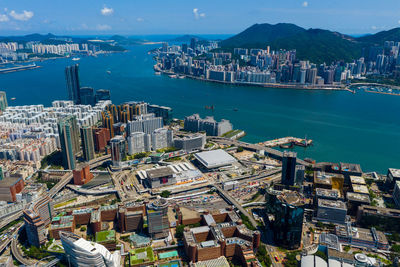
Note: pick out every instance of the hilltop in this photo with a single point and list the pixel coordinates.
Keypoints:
(316, 45)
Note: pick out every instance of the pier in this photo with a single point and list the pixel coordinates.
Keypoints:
(287, 142)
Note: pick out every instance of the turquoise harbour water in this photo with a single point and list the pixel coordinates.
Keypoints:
(360, 128)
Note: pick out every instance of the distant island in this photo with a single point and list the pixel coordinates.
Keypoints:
(34, 47)
(288, 56)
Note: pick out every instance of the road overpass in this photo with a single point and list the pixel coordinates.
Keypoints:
(228, 198)
(273, 153)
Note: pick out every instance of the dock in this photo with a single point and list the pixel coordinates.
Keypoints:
(287, 142)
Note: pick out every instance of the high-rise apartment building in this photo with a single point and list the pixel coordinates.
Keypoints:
(138, 142)
(69, 140)
(3, 101)
(87, 143)
(161, 138)
(73, 86)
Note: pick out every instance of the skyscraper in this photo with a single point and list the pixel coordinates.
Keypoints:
(157, 218)
(287, 223)
(3, 101)
(69, 140)
(86, 96)
(288, 168)
(87, 143)
(102, 94)
(118, 149)
(73, 86)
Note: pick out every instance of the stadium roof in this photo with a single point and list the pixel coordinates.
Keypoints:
(215, 158)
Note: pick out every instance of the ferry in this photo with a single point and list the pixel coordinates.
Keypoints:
(76, 58)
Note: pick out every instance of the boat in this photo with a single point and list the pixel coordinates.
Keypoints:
(108, 71)
(181, 76)
(76, 58)
(235, 109)
(173, 76)
(13, 98)
(286, 146)
(157, 73)
(209, 107)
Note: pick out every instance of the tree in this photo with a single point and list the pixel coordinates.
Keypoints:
(240, 149)
(179, 231)
(165, 194)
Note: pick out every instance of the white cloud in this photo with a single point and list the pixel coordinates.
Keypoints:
(84, 26)
(398, 22)
(374, 27)
(4, 18)
(197, 14)
(140, 19)
(107, 11)
(305, 4)
(24, 16)
(103, 27)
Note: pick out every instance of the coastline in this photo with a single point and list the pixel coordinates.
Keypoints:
(265, 85)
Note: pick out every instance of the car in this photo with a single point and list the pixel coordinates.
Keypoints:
(276, 259)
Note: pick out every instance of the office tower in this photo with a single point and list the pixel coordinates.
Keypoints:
(287, 209)
(288, 168)
(161, 138)
(193, 43)
(160, 111)
(37, 217)
(86, 96)
(102, 94)
(118, 149)
(80, 252)
(3, 101)
(157, 218)
(87, 143)
(164, 47)
(101, 138)
(69, 140)
(108, 122)
(184, 48)
(73, 86)
(138, 142)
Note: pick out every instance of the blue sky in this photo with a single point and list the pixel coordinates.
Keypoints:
(140, 17)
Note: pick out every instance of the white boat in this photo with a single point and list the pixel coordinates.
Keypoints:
(76, 58)
(157, 73)
(108, 71)
(173, 76)
(181, 76)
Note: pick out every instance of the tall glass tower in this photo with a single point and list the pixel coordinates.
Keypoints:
(73, 87)
(69, 138)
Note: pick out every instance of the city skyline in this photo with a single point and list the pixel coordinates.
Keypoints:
(140, 18)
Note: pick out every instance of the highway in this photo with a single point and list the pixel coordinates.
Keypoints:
(233, 201)
(273, 153)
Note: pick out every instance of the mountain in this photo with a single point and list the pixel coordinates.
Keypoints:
(316, 45)
(320, 46)
(122, 40)
(381, 37)
(260, 34)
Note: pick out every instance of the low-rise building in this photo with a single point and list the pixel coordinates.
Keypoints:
(333, 211)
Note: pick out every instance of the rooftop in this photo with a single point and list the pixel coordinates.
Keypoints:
(395, 172)
(362, 189)
(9, 181)
(336, 204)
(215, 158)
(327, 193)
(159, 172)
(357, 197)
(292, 198)
(105, 236)
(357, 180)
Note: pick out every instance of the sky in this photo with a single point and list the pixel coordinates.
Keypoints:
(142, 17)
